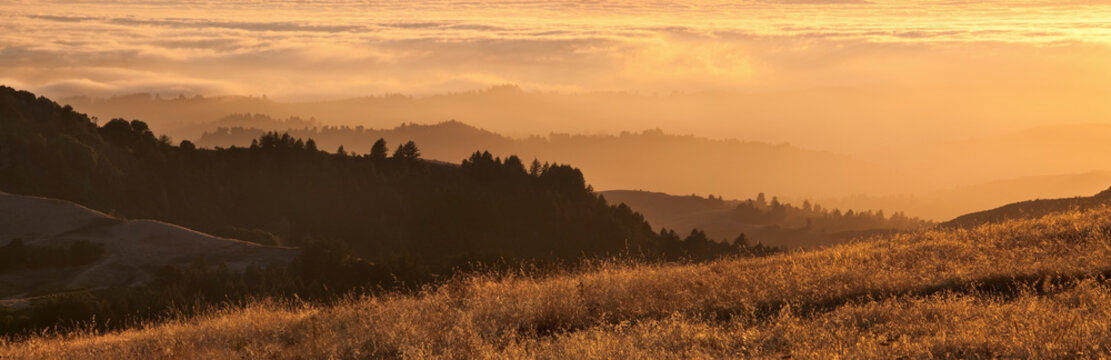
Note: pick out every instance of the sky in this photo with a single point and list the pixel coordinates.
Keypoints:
(840, 70)
(300, 50)
(957, 91)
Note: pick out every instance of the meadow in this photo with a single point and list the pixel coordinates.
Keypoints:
(1017, 289)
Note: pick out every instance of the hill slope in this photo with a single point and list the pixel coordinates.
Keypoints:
(428, 218)
(1019, 289)
(1031, 209)
(134, 250)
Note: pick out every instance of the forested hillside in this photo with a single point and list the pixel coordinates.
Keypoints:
(385, 218)
(385, 207)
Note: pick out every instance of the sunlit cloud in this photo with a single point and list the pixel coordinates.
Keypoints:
(322, 49)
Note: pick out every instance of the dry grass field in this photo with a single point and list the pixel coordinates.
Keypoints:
(1019, 289)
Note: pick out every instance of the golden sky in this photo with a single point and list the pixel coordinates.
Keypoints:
(943, 88)
(833, 72)
(329, 48)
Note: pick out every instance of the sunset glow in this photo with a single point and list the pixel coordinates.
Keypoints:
(331, 49)
(563, 179)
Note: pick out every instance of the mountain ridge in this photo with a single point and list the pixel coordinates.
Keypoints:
(651, 158)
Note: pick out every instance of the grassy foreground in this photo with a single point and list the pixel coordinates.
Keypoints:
(1021, 289)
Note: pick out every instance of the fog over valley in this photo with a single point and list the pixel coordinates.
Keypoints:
(564, 179)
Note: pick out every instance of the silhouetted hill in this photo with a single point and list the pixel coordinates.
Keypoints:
(649, 159)
(425, 217)
(364, 223)
(762, 220)
(940, 159)
(133, 250)
(447, 141)
(1030, 209)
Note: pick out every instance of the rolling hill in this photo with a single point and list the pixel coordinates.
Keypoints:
(1031, 209)
(1026, 288)
(134, 250)
(365, 223)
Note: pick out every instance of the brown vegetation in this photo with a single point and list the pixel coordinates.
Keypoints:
(1023, 288)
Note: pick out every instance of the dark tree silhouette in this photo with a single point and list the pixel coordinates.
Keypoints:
(379, 150)
(407, 151)
(534, 169)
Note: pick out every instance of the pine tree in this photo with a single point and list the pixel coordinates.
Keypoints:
(407, 151)
(378, 150)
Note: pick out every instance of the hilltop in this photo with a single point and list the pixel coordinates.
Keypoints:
(1027, 288)
(133, 250)
(1031, 209)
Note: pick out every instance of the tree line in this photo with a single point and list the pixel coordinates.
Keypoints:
(393, 217)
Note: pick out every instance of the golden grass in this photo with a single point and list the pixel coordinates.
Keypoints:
(905, 295)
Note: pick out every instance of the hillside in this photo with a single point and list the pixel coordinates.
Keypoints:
(134, 250)
(1031, 209)
(366, 222)
(765, 221)
(1030, 288)
(428, 217)
(413, 218)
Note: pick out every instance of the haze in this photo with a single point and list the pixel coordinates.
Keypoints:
(914, 87)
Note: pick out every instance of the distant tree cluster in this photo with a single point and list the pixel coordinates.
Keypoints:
(446, 136)
(813, 216)
(698, 246)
